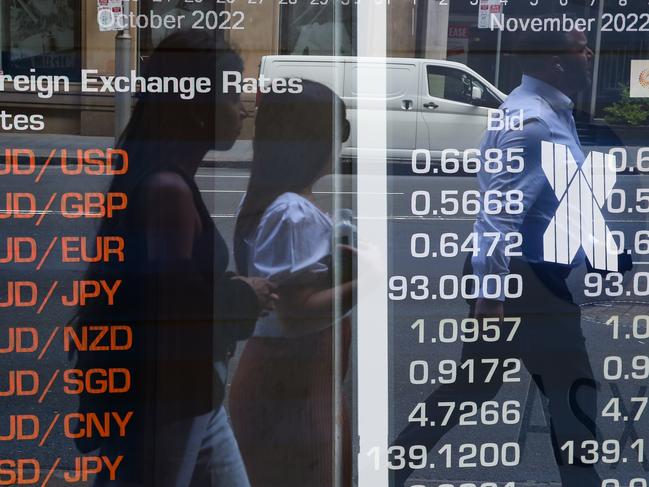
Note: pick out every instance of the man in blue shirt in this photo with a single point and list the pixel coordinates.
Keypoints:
(549, 341)
(544, 99)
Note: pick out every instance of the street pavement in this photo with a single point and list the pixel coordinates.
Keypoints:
(222, 189)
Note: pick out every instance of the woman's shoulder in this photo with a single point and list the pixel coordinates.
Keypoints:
(292, 213)
(294, 207)
(166, 200)
(293, 238)
(168, 182)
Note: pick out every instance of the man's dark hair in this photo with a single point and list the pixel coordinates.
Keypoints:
(532, 49)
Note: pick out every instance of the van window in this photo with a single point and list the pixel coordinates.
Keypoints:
(456, 85)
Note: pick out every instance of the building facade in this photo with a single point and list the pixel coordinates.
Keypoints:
(63, 37)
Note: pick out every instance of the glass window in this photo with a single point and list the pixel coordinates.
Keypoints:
(41, 34)
(482, 96)
(455, 85)
(308, 271)
(450, 84)
(317, 29)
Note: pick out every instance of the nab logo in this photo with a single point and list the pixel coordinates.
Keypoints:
(578, 222)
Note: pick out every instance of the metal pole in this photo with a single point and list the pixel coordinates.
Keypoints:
(338, 348)
(499, 46)
(598, 48)
(122, 68)
(499, 43)
(372, 327)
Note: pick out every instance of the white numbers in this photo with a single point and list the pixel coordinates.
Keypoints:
(452, 244)
(451, 286)
(632, 483)
(416, 167)
(607, 451)
(420, 203)
(470, 202)
(468, 330)
(470, 413)
(615, 368)
(213, 20)
(469, 161)
(613, 285)
(487, 454)
(447, 371)
(639, 327)
(618, 201)
(630, 22)
(466, 455)
(613, 411)
(640, 240)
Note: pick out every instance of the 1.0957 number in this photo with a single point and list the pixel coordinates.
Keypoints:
(467, 330)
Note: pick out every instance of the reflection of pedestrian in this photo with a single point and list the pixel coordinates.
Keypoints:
(185, 310)
(281, 397)
(549, 341)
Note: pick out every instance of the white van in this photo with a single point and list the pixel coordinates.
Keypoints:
(431, 104)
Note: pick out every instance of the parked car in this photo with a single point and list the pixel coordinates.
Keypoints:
(431, 104)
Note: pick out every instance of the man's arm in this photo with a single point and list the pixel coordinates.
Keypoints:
(492, 259)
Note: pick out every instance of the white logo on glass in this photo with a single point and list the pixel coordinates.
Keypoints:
(578, 222)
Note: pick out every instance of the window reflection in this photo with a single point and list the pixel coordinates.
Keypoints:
(42, 35)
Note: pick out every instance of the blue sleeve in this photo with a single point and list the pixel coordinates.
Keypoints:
(490, 228)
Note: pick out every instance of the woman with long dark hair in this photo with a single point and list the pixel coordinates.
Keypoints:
(281, 400)
(186, 312)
